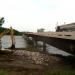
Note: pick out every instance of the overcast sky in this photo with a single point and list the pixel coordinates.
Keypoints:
(30, 15)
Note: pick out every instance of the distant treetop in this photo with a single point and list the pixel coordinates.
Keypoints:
(40, 30)
(1, 21)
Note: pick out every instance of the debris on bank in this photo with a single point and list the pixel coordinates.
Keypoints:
(27, 60)
(36, 57)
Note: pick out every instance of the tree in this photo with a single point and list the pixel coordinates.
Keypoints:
(40, 30)
(2, 21)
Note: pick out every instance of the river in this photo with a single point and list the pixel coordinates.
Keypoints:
(21, 43)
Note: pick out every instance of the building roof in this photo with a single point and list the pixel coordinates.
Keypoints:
(71, 25)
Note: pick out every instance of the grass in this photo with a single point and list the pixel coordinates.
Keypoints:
(45, 72)
(59, 72)
(3, 72)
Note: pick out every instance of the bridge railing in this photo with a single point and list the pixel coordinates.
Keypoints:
(65, 35)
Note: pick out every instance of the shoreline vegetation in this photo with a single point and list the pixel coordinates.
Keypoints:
(16, 32)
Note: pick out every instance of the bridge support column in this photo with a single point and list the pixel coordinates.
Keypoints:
(72, 47)
(35, 43)
(44, 46)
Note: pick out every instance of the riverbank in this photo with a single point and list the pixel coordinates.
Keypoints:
(29, 60)
(22, 62)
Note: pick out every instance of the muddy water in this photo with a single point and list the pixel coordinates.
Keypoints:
(21, 43)
(53, 50)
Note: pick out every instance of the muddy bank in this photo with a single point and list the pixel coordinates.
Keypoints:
(23, 57)
(22, 62)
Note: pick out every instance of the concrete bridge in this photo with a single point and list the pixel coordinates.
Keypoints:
(61, 40)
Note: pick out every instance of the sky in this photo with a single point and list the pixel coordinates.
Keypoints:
(30, 15)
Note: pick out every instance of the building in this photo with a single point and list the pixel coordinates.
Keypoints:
(66, 27)
(41, 30)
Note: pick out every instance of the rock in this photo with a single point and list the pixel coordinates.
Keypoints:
(36, 57)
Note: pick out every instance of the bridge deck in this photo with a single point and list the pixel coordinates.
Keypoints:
(63, 35)
(62, 40)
